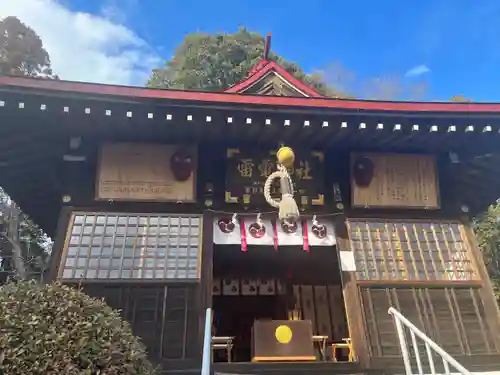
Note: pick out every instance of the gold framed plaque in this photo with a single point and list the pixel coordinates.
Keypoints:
(147, 172)
(394, 181)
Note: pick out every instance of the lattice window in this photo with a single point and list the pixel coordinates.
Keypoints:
(410, 250)
(130, 246)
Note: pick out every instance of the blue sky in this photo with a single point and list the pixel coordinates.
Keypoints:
(450, 44)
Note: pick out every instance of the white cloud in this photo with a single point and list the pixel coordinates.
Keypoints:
(417, 70)
(118, 10)
(86, 47)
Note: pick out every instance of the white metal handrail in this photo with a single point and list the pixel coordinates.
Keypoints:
(430, 346)
(207, 344)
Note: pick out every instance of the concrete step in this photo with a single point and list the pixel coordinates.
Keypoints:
(286, 368)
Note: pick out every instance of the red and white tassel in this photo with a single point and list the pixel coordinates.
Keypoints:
(305, 235)
(243, 234)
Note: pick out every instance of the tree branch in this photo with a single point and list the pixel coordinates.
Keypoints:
(17, 257)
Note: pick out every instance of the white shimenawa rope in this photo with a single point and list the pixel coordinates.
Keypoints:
(281, 172)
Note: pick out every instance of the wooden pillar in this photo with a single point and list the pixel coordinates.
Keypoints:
(353, 309)
(206, 275)
(59, 242)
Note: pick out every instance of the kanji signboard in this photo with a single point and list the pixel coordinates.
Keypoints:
(247, 172)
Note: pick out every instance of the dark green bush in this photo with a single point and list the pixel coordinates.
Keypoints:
(56, 329)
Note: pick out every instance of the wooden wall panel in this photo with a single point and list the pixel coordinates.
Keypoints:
(447, 325)
(323, 321)
(337, 312)
(324, 306)
(307, 298)
(381, 333)
(165, 317)
(486, 295)
(478, 336)
(453, 317)
(298, 298)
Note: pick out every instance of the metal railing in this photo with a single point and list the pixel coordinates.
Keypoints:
(430, 347)
(207, 343)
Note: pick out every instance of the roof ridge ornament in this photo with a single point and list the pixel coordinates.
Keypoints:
(267, 46)
(265, 58)
(260, 79)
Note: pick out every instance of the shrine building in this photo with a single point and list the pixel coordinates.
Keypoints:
(155, 201)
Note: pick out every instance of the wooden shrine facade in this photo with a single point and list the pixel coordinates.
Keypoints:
(128, 182)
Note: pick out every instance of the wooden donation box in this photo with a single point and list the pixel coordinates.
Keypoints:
(282, 340)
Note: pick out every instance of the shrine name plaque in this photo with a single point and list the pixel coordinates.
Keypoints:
(146, 172)
(247, 171)
(399, 181)
(282, 340)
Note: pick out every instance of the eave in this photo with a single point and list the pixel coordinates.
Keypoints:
(89, 90)
(37, 117)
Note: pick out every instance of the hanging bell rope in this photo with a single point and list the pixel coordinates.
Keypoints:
(288, 209)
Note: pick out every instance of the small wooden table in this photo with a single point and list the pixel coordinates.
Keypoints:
(223, 342)
(347, 344)
(321, 341)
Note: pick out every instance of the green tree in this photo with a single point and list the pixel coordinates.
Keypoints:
(460, 98)
(338, 78)
(214, 62)
(383, 87)
(487, 230)
(23, 246)
(22, 52)
(393, 87)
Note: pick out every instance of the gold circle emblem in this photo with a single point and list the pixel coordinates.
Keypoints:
(283, 334)
(285, 156)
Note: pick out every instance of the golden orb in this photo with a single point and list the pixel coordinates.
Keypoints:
(285, 156)
(283, 334)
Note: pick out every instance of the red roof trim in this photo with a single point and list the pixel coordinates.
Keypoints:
(325, 103)
(299, 85)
